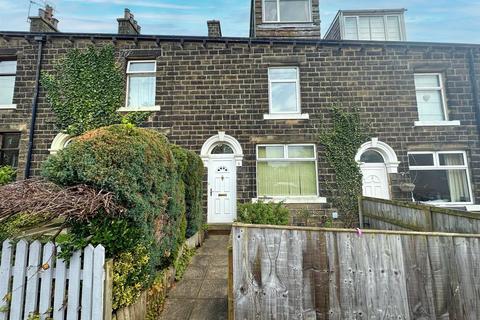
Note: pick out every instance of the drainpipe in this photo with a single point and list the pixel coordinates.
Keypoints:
(474, 84)
(28, 165)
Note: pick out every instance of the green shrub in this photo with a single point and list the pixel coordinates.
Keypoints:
(7, 175)
(138, 167)
(263, 213)
(190, 166)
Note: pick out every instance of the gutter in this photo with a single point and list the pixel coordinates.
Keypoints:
(39, 39)
(474, 84)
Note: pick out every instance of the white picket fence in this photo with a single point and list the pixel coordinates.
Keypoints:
(33, 281)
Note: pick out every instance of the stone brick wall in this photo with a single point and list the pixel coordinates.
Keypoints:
(203, 88)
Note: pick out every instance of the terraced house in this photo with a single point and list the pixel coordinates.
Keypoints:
(253, 107)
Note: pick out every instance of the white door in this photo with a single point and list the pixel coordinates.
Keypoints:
(375, 180)
(222, 190)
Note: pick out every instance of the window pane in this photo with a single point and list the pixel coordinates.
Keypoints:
(286, 178)
(377, 28)
(371, 156)
(10, 140)
(420, 159)
(364, 28)
(427, 81)
(393, 28)
(441, 186)
(141, 91)
(282, 73)
(222, 149)
(8, 67)
(7, 85)
(351, 32)
(284, 97)
(9, 158)
(271, 152)
(430, 105)
(451, 159)
(294, 10)
(270, 10)
(301, 152)
(142, 67)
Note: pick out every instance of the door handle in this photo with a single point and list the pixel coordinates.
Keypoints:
(211, 192)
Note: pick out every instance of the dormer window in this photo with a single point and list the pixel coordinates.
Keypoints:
(373, 28)
(287, 11)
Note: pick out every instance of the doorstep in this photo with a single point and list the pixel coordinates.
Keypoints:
(219, 228)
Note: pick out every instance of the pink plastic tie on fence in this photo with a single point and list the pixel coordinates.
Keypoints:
(359, 232)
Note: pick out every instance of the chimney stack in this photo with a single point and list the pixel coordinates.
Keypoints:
(44, 22)
(127, 24)
(214, 29)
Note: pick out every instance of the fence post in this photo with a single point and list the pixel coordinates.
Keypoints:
(360, 211)
(230, 279)
(108, 292)
(429, 218)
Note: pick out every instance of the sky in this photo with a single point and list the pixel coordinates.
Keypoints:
(426, 20)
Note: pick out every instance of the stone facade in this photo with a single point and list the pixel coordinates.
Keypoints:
(205, 86)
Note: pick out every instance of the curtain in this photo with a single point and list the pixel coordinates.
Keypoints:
(286, 178)
(141, 91)
(457, 179)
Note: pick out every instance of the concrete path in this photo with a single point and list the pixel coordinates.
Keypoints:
(202, 293)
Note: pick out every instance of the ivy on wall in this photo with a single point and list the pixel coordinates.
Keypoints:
(86, 90)
(341, 143)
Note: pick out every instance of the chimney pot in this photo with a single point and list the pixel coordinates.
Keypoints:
(127, 24)
(44, 22)
(214, 29)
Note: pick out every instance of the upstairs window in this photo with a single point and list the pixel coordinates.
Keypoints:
(287, 11)
(9, 145)
(430, 97)
(286, 170)
(8, 71)
(141, 84)
(379, 28)
(440, 177)
(284, 90)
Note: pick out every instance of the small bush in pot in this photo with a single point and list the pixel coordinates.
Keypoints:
(263, 213)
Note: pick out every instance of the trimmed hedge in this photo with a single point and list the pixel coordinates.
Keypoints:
(138, 166)
(263, 213)
(7, 175)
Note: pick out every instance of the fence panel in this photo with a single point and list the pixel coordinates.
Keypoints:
(27, 288)
(314, 273)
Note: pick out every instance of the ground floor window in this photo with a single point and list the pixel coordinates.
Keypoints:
(286, 170)
(9, 144)
(440, 177)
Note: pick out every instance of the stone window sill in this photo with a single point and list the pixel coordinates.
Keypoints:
(8, 106)
(139, 109)
(301, 200)
(437, 123)
(286, 116)
(472, 207)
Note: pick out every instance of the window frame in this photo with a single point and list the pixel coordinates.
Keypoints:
(11, 105)
(297, 84)
(145, 74)
(442, 94)
(436, 166)
(310, 14)
(385, 26)
(2, 133)
(287, 159)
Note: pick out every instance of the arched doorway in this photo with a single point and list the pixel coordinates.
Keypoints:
(376, 160)
(222, 154)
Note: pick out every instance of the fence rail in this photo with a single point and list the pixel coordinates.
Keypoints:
(35, 282)
(397, 215)
(314, 273)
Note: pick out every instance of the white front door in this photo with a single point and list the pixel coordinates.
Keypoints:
(375, 180)
(222, 190)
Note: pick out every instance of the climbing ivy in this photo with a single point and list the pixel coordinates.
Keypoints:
(86, 90)
(341, 143)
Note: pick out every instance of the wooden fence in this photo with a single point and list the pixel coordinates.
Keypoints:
(396, 215)
(314, 273)
(35, 282)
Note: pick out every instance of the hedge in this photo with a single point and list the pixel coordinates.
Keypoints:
(138, 166)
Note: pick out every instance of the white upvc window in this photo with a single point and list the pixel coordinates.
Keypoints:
(141, 78)
(287, 11)
(284, 90)
(379, 28)
(431, 101)
(440, 178)
(287, 171)
(8, 72)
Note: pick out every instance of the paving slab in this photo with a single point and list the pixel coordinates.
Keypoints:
(211, 309)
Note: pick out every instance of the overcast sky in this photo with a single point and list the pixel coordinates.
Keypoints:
(427, 20)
